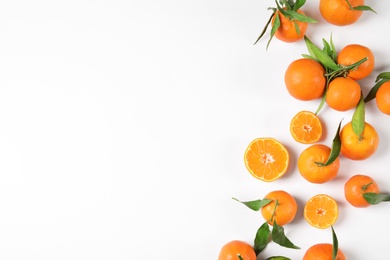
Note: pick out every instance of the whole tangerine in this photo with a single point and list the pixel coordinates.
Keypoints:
(305, 79)
(282, 208)
(356, 186)
(235, 248)
(358, 147)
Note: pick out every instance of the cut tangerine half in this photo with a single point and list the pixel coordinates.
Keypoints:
(306, 127)
(321, 211)
(266, 159)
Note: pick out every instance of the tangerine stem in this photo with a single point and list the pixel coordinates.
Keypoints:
(365, 187)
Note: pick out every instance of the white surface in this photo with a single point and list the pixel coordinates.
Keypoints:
(123, 127)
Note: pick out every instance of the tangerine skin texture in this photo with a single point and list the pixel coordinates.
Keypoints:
(354, 190)
(358, 148)
(337, 12)
(285, 211)
(287, 31)
(305, 80)
(383, 98)
(322, 251)
(231, 250)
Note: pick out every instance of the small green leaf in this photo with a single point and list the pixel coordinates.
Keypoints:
(372, 94)
(358, 118)
(280, 238)
(240, 257)
(336, 147)
(320, 55)
(278, 258)
(334, 52)
(363, 8)
(307, 56)
(298, 4)
(293, 15)
(383, 75)
(322, 103)
(255, 205)
(262, 238)
(265, 27)
(275, 27)
(335, 246)
(376, 198)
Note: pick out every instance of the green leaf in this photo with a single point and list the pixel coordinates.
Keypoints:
(383, 75)
(278, 258)
(335, 246)
(265, 27)
(320, 55)
(255, 205)
(280, 238)
(293, 15)
(298, 4)
(334, 52)
(376, 198)
(262, 238)
(240, 257)
(380, 79)
(358, 118)
(336, 147)
(307, 56)
(275, 27)
(322, 103)
(363, 8)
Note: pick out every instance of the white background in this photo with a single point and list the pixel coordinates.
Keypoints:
(123, 126)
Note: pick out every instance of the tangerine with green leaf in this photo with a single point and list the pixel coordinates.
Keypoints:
(382, 98)
(358, 146)
(289, 22)
(322, 251)
(282, 208)
(353, 53)
(312, 167)
(235, 249)
(356, 186)
(342, 12)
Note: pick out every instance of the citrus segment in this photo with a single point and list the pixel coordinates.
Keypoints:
(321, 211)
(306, 127)
(266, 159)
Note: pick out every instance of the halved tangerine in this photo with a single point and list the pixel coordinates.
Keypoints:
(321, 211)
(306, 127)
(266, 159)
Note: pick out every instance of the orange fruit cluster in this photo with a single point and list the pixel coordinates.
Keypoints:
(334, 77)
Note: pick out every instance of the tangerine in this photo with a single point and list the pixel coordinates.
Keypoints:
(353, 53)
(306, 127)
(287, 31)
(305, 80)
(266, 159)
(321, 211)
(235, 248)
(338, 12)
(311, 164)
(356, 186)
(343, 94)
(383, 98)
(322, 251)
(282, 209)
(357, 147)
